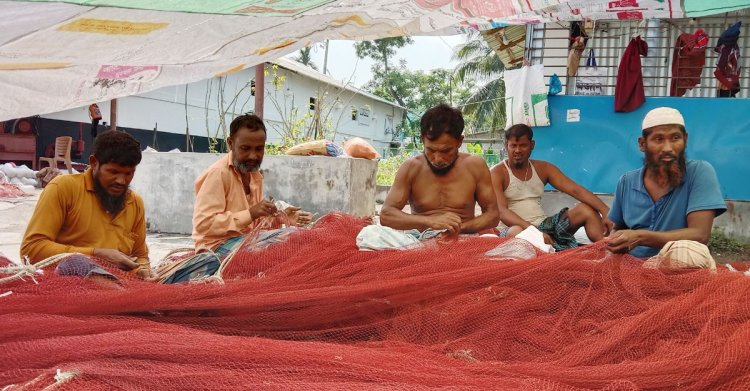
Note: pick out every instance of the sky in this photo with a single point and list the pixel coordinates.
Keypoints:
(426, 53)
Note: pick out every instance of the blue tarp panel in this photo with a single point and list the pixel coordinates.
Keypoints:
(596, 151)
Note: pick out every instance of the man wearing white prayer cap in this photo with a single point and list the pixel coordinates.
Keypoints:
(670, 198)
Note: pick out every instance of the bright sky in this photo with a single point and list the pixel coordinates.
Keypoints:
(424, 54)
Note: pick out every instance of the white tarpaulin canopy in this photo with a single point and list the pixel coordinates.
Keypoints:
(59, 55)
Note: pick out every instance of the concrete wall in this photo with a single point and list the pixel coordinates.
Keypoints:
(315, 183)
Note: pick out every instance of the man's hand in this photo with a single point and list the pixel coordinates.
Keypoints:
(264, 208)
(116, 258)
(622, 241)
(548, 239)
(146, 273)
(299, 216)
(448, 221)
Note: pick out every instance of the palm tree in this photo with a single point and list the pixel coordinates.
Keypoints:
(305, 58)
(478, 62)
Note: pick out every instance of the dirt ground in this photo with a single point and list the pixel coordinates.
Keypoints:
(732, 256)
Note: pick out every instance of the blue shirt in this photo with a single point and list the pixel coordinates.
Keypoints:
(633, 207)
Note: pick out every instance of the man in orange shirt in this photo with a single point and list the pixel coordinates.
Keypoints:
(229, 194)
(94, 214)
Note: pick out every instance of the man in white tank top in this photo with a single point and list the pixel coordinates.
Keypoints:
(519, 184)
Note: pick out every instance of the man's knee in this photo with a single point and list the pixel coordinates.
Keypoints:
(583, 212)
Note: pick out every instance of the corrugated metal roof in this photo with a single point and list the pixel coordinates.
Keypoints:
(306, 71)
(508, 42)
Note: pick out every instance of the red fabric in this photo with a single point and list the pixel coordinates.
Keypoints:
(728, 68)
(629, 94)
(687, 64)
(315, 313)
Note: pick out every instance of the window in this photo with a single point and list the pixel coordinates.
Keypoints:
(364, 116)
(354, 113)
(252, 87)
(388, 124)
(313, 102)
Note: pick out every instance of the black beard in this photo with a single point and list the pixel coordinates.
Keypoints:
(441, 171)
(670, 173)
(112, 204)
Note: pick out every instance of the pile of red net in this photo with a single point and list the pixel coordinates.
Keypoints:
(9, 190)
(314, 313)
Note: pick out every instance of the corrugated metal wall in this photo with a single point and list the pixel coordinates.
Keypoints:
(610, 38)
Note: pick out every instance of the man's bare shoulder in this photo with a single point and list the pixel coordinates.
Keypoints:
(473, 162)
(413, 163)
(498, 168)
(410, 168)
(542, 165)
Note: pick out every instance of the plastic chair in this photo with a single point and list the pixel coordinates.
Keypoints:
(62, 154)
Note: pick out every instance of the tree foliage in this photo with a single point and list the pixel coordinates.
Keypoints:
(305, 58)
(420, 91)
(382, 52)
(479, 63)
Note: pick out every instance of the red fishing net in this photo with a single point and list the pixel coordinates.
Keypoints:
(312, 312)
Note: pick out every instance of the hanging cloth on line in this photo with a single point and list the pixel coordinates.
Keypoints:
(687, 62)
(629, 93)
(728, 67)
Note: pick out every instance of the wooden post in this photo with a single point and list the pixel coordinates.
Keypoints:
(260, 79)
(113, 114)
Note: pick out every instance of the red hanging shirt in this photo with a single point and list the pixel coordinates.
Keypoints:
(629, 94)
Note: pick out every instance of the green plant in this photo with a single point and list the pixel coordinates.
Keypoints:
(474, 149)
(721, 243)
(273, 149)
(387, 168)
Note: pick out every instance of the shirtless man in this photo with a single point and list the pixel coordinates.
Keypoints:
(443, 185)
(519, 184)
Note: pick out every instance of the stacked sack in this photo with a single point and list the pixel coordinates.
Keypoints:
(355, 147)
(21, 176)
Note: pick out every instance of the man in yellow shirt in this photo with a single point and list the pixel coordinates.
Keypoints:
(93, 213)
(229, 194)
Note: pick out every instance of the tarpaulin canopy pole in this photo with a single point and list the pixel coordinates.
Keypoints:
(113, 114)
(260, 79)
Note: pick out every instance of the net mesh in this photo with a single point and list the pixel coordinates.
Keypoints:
(312, 312)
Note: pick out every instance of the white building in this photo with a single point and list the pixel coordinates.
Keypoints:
(294, 94)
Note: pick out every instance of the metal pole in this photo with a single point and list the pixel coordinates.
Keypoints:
(113, 114)
(325, 60)
(260, 79)
(450, 88)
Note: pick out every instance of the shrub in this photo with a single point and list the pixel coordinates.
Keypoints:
(387, 168)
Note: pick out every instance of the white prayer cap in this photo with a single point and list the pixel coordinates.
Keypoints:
(662, 116)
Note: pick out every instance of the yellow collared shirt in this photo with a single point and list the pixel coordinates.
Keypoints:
(70, 219)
